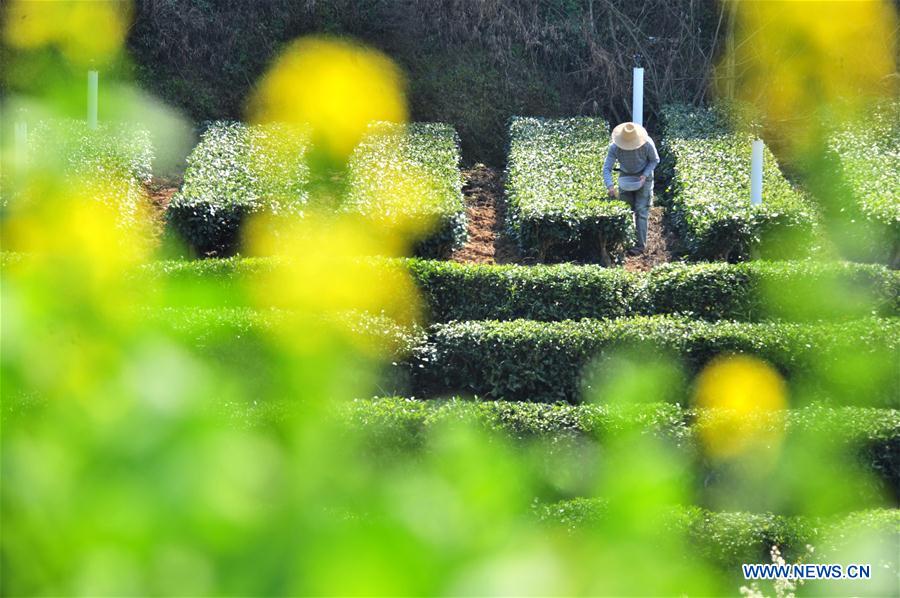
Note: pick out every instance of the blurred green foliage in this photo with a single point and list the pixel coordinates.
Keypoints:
(219, 448)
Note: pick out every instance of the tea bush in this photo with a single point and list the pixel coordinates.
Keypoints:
(558, 204)
(389, 424)
(748, 291)
(400, 172)
(455, 291)
(869, 156)
(115, 159)
(237, 170)
(709, 193)
(762, 290)
(676, 422)
(545, 361)
(397, 173)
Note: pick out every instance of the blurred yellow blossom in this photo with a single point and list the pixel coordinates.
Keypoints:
(335, 86)
(797, 56)
(85, 32)
(73, 266)
(64, 220)
(331, 267)
(742, 401)
(406, 207)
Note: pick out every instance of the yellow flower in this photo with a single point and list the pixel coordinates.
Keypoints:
(335, 86)
(795, 57)
(85, 32)
(331, 270)
(742, 401)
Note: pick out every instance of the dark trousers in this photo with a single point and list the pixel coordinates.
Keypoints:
(640, 202)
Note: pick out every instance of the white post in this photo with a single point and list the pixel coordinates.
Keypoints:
(637, 96)
(756, 171)
(20, 145)
(92, 99)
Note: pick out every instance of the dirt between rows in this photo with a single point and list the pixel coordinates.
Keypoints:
(160, 191)
(489, 243)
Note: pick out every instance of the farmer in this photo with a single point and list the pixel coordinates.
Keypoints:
(637, 157)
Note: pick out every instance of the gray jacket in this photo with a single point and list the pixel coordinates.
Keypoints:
(641, 161)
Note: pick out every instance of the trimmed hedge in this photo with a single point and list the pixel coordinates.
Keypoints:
(709, 193)
(248, 344)
(116, 159)
(749, 291)
(234, 325)
(544, 361)
(237, 170)
(869, 156)
(523, 360)
(523, 419)
(405, 422)
(411, 171)
(455, 291)
(558, 205)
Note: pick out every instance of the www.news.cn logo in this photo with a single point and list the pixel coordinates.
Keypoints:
(807, 571)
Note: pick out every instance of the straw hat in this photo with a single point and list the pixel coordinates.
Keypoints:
(629, 136)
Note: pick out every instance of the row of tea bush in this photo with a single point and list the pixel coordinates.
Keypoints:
(749, 291)
(110, 163)
(548, 361)
(558, 203)
(709, 192)
(396, 173)
(847, 363)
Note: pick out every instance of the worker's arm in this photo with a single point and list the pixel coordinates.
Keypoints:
(652, 158)
(608, 165)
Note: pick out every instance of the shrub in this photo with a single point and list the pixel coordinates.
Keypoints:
(242, 342)
(523, 420)
(710, 193)
(558, 205)
(233, 325)
(749, 291)
(408, 176)
(237, 170)
(545, 361)
(553, 292)
(729, 539)
(761, 290)
(869, 156)
(115, 159)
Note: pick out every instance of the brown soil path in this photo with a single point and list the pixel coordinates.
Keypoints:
(160, 191)
(661, 244)
(488, 242)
